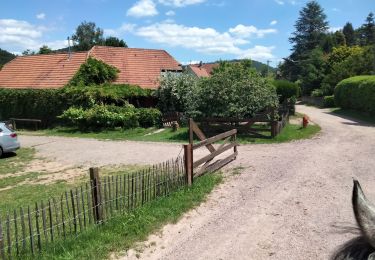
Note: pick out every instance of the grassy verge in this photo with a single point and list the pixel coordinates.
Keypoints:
(122, 232)
(354, 115)
(16, 191)
(289, 133)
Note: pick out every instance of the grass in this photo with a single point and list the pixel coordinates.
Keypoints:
(121, 233)
(354, 114)
(289, 133)
(15, 162)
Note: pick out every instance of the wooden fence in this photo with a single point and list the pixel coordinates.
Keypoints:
(207, 164)
(267, 124)
(29, 230)
(169, 118)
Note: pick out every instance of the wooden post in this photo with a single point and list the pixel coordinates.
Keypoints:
(235, 147)
(273, 123)
(191, 133)
(188, 153)
(96, 195)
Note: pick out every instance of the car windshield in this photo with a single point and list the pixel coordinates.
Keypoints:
(6, 128)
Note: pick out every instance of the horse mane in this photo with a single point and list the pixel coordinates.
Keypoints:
(355, 249)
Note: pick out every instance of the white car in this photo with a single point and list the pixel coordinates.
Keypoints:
(8, 140)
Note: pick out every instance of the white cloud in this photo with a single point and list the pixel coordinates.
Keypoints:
(336, 9)
(334, 29)
(125, 27)
(205, 40)
(17, 35)
(143, 8)
(258, 53)
(170, 13)
(180, 3)
(243, 31)
(274, 22)
(283, 2)
(41, 16)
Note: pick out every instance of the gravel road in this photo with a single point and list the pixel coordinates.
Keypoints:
(292, 200)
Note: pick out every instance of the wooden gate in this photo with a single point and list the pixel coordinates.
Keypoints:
(207, 162)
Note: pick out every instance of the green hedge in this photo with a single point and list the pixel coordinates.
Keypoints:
(329, 101)
(47, 104)
(110, 116)
(286, 89)
(356, 93)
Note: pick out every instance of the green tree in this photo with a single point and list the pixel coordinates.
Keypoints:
(115, 42)
(86, 36)
(28, 52)
(313, 71)
(345, 62)
(349, 34)
(44, 50)
(5, 56)
(369, 30)
(235, 90)
(178, 92)
(340, 38)
(310, 29)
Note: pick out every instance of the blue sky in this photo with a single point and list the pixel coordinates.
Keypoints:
(190, 30)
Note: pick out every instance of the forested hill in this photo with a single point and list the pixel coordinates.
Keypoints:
(5, 57)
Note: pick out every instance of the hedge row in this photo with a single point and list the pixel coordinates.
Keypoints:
(110, 116)
(47, 104)
(286, 89)
(357, 93)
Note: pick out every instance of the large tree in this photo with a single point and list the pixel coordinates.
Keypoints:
(115, 42)
(86, 36)
(5, 57)
(368, 30)
(349, 34)
(311, 27)
(44, 50)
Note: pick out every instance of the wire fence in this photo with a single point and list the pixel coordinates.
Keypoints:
(30, 230)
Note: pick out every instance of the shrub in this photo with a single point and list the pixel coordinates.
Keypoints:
(357, 93)
(317, 93)
(110, 116)
(329, 101)
(178, 92)
(102, 116)
(235, 90)
(94, 71)
(286, 89)
(47, 104)
(149, 117)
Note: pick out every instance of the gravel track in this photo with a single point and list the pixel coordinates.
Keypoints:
(291, 200)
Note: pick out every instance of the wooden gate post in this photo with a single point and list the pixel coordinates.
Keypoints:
(191, 137)
(96, 195)
(188, 153)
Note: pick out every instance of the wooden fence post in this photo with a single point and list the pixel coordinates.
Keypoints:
(273, 123)
(188, 153)
(191, 134)
(96, 195)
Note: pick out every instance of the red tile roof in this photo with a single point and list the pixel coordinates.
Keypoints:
(41, 71)
(199, 71)
(203, 70)
(140, 67)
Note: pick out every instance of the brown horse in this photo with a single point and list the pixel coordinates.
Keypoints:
(362, 247)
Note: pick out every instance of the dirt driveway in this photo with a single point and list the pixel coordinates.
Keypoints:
(291, 201)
